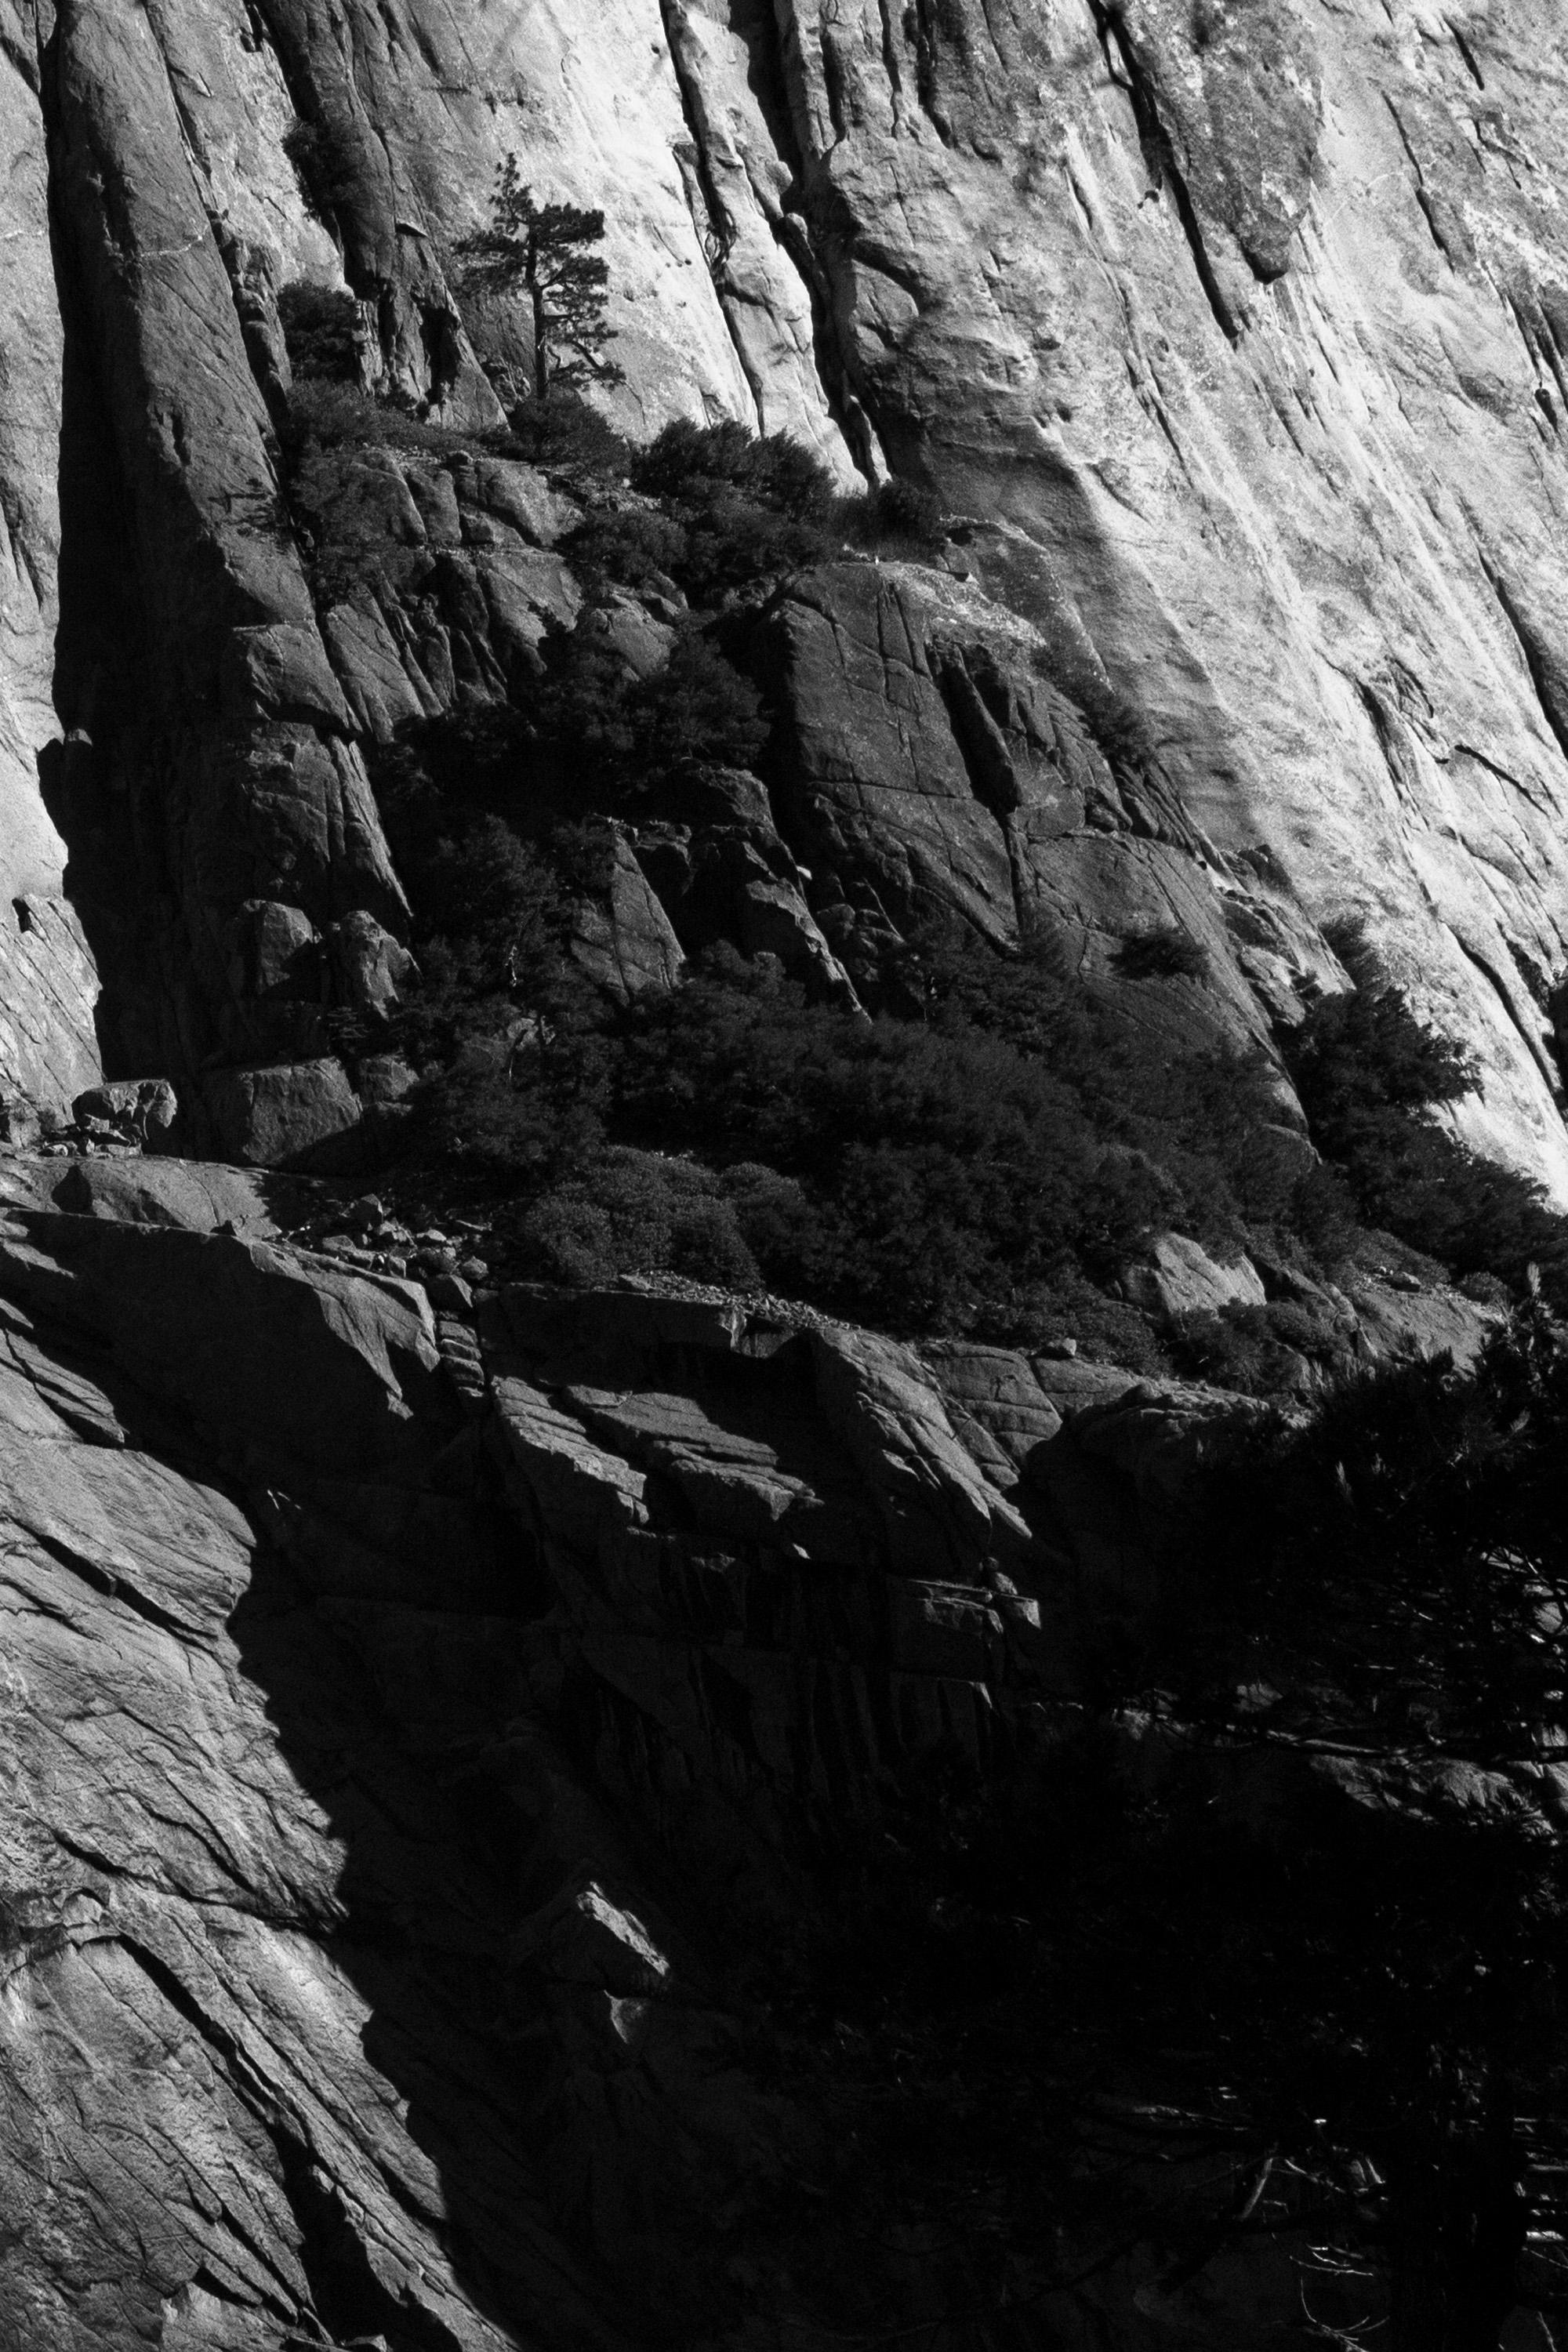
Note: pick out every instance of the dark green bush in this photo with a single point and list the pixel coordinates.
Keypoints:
(1165, 951)
(746, 507)
(566, 434)
(731, 541)
(697, 707)
(636, 547)
(334, 415)
(327, 172)
(620, 736)
(591, 742)
(1041, 1315)
(697, 464)
(321, 329)
(637, 1212)
(949, 1164)
(1369, 1075)
(895, 515)
(1259, 1351)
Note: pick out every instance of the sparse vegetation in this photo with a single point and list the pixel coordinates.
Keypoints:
(544, 253)
(327, 173)
(1165, 951)
(1370, 1076)
(991, 1146)
(321, 329)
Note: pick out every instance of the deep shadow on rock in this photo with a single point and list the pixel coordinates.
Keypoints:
(410, 1726)
(380, 1841)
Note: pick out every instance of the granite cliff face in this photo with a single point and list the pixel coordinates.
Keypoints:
(401, 1719)
(403, 1711)
(1234, 334)
(404, 1718)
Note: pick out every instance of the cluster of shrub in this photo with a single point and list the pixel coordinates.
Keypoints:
(712, 507)
(981, 1156)
(721, 507)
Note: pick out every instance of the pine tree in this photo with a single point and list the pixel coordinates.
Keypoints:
(543, 251)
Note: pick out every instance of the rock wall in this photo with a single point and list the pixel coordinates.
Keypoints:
(1237, 336)
(402, 1713)
(409, 1720)
(386, 1704)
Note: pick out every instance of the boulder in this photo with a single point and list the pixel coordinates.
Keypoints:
(372, 969)
(142, 1109)
(1181, 1278)
(279, 1351)
(197, 1195)
(940, 1516)
(1421, 1322)
(301, 1115)
(622, 937)
(1001, 1401)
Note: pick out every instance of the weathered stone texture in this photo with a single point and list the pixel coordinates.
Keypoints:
(1235, 335)
(337, 2005)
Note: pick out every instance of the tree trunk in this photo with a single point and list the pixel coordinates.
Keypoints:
(541, 343)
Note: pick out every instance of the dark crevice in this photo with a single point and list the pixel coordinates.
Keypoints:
(1540, 341)
(926, 21)
(1507, 776)
(347, 2299)
(1467, 54)
(982, 749)
(768, 78)
(1524, 637)
(114, 1588)
(101, 785)
(1533, 1046)
(1423, 196)
(1160, 155)
(891, 65)
(718, 236)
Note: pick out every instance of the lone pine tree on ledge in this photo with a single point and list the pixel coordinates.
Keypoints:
(543, 251)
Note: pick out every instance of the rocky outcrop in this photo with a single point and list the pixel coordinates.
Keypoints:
(412, 1714)
(371, 1739)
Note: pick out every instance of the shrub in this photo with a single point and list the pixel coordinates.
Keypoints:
(748, 506)
(618, 735)
(327, 173)
(636, 546)
(640, 1213)
(894, 514)
(337, 415)
(1369, 1073)
(945, 1168)
(1069, 1307)
(731, 541)
(321, 329)
(1259, 1350)
(698, 707)
(494, 899)
(695, 463)
(1165, 951)
(567, 435)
